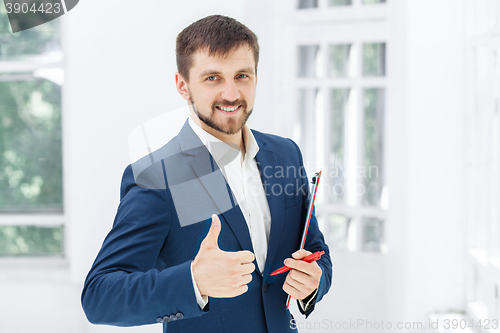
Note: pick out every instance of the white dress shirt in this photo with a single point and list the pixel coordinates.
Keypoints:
(242, 174)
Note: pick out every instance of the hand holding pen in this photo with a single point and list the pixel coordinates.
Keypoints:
(310, 258)
(303, 277)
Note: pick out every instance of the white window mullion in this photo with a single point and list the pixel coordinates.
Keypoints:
(45, 220)
(21, 66)
(356, 3)
(351, 146)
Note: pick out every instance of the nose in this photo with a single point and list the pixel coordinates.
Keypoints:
(230, 91)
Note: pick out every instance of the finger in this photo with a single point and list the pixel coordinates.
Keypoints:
(312, 269)
(294, 283)
(299, 276)
(213, 234)
(296, 264)
(241, 290)
(248, 268)
(246, 279)
(290, 290)
(246, 256)
(301, 254)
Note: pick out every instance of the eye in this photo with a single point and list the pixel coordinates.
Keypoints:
(242, 76)
(212, 78)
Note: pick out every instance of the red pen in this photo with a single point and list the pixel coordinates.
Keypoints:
(310, 258)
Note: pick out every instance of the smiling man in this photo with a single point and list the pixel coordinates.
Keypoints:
(198, 233)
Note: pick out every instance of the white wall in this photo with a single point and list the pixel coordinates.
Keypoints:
(435, 108)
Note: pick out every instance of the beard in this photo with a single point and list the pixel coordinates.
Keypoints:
(233, 124)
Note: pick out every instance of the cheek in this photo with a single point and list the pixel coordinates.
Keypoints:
(202, 96)
(249, 94)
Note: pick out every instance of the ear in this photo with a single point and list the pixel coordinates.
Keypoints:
(181, 85)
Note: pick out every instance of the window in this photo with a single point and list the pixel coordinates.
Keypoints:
(482, 161)
(372, 2)
(31, 173)
(308, 4)
(341, 88)
(333, 3)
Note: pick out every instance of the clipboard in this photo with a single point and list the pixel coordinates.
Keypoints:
(312, 195)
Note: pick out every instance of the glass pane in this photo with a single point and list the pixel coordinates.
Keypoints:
(338, 226)
(335, 3)
(30, 240)
(373, 168)
(40, 40)
(308, 60)
(308, 4)
(338, 106)
(372, 234)
(30, 145)
(371, 2)
(307, 101)
(374, 59)
(339, 60)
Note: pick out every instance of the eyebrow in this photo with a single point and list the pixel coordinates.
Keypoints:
(213, 71)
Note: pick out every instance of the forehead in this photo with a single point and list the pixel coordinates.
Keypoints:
(235, 59)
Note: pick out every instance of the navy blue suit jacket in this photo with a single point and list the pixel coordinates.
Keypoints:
(142, 273)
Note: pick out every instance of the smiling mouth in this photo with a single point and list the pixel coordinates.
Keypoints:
(228, 109)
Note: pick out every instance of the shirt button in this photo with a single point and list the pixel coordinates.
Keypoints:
(166, 319)
(173, 317)
(159, 320)
(179, 315)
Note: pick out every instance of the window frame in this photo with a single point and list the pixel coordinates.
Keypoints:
(24, 70)
(369, 24)
(483, 261)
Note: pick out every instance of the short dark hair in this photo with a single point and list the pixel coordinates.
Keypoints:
(219, 34)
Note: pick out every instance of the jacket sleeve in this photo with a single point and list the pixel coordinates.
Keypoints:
(123, 287)
(314, 242)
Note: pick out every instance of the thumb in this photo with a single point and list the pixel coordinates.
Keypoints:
(213, 234)
(301, 254)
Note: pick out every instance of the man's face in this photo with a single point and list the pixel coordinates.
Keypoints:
(222, 89)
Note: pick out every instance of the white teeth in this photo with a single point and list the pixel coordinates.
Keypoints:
(228, 109)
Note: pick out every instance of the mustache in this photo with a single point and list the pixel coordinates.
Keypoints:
(226, 103)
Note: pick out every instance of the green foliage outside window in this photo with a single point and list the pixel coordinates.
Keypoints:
(374, 59)
(373, 145)
(30, 146)
(34, 41)
(30, 240)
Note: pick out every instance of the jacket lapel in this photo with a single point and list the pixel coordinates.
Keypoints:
(209, 174)
(267, 163)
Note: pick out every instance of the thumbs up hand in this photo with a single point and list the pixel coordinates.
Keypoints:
(220, 273)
